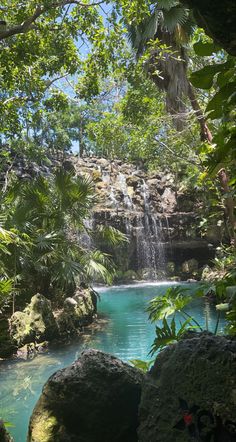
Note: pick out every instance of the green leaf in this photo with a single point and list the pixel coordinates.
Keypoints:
(175, 299)
(205, 48)
(216, 104)
(204, 78)
(142, 365)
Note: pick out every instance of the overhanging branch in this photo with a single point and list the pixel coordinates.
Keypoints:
(27, 24)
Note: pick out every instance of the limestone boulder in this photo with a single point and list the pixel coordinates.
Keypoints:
(77, 312)
(190, 393)
(35, 323)
(93, 400)
(133, 181)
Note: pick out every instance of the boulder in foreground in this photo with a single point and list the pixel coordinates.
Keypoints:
(93, 400)
(190, 393)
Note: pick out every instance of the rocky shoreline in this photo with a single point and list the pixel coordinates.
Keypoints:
(30, 331)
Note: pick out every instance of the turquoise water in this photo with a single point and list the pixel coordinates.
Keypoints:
(126, 334)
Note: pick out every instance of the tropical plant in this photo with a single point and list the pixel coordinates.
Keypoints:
(142, 365)
(49, 213)
(166, 31)
(169, 333)
(174, 300)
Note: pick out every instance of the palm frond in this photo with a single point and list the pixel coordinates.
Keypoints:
(6, 287)
(110, 235)
(97, 265)
(177, 15)
(166, 4)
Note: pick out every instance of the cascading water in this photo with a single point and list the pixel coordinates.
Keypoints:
(150, 250)
(85, 237)
(121, 181)
(136, 218)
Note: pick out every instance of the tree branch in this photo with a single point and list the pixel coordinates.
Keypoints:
(27, 24)
(175, 154)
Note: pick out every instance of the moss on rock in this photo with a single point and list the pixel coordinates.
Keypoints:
(35, 324)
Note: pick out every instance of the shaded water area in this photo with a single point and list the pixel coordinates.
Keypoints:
(127, 334)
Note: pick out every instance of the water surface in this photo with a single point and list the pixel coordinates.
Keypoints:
(127, 334)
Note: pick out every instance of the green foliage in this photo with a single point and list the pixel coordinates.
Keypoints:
(168, 334)
(221, 77)
(142, 365)
(205, 48)
(231, 318)
(49, 215)
(174, 300)
(109, 235)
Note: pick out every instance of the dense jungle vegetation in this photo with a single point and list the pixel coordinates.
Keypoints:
(136, 80)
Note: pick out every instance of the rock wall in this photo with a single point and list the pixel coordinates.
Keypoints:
(160, 220)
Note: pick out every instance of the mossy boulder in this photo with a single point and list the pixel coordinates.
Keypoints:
(170, 268)
(93, 400)
(35, 323)
(190, 393)
(130, 276)
(190, 267)
(77, 312)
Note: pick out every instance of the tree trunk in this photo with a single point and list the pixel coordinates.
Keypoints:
(81, 141)
(205, 133)
(229, 204)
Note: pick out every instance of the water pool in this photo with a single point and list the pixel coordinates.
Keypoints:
(127, 334)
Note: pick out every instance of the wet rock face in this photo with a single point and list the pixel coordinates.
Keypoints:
(35, 324)
(190, 393)
(159, 219)
(93, 400)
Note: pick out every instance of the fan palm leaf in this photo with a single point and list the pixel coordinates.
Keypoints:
(170, 25)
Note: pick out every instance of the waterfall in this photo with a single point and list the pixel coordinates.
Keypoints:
(121, 180)
(85, 238)
(150, 250)
(112, 198)
(130, 207)
(106, 176)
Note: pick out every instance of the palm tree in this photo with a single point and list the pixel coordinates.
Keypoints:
(171, 24)
(48, 215)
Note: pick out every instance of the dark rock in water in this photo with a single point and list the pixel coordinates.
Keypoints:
(190, 393)
(35, 324)
(4, 435)
(93, 400)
